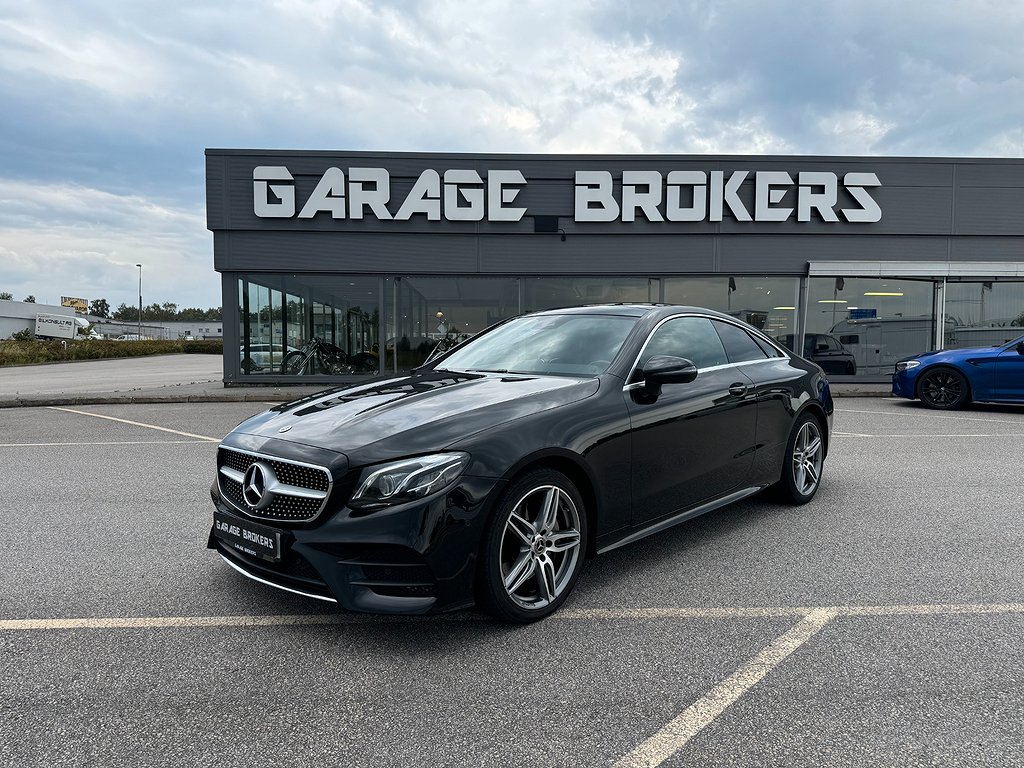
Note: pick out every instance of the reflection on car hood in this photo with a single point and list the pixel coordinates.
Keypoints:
(959, 354)
(415, 414)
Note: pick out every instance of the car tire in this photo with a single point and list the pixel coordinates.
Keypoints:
(803, 462)
(533, 548)
(943, 389)
(851, 369)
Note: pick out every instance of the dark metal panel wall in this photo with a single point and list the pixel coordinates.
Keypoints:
(790, 254)
(931, 208)
(355, 252)
(986, 249)
(990, 210)
(590, 254)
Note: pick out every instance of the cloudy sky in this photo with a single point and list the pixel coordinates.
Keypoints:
(106, 106)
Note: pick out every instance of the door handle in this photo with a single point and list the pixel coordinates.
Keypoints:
(738, 389)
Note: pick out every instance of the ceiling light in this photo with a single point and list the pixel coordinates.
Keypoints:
(783, 307)
(831, 301)
(883, 293)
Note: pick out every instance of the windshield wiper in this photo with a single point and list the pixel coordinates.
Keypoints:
(487, 370)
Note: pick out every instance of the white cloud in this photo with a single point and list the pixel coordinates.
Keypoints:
(75, 241)
(107, 97)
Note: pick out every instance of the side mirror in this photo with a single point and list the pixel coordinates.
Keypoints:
(821, 348)
(665, 369)
(1020, 347)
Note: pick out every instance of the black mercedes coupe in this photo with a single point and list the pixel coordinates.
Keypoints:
(491, 473)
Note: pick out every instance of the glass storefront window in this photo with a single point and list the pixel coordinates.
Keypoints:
(432, 309)
(770, 304)
(310, 325)
(983, 314)
(553, 292)
(863, 325)
(853, 325)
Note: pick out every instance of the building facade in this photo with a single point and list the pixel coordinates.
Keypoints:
(852, 261)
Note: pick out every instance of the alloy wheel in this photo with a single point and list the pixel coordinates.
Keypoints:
(808, 454)
(942, 388)
(540, 547)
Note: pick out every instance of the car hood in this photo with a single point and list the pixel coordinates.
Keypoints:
(957, 354)
(415, 414)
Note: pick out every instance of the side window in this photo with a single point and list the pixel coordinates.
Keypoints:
(738, 345)
(833, 344)
(768, 349)
(691, 337)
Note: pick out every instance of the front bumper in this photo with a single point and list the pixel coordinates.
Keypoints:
(410, 559)
(904, 383)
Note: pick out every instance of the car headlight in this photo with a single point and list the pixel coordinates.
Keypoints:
(401, 481)
(906, 365)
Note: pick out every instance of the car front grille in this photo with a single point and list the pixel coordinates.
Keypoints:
(298, 492)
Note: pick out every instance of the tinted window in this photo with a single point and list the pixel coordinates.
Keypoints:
(769, 350)
(738, 345)
(560, 344)
(691, 337)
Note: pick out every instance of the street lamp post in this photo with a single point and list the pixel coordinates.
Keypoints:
(140, 301)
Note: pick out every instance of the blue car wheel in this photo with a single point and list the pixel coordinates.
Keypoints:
(943, 388)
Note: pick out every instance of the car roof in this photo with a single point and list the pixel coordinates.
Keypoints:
(636, 309)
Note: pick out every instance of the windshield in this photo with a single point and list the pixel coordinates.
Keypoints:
(558, 344)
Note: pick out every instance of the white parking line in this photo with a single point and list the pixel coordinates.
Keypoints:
(159, 622)
(135, 423)
(930, 415)
(675, 735)
(862, 434)
(569, 614)
(668, 740)
(112, 442)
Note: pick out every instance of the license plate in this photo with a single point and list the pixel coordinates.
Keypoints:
(251, 538)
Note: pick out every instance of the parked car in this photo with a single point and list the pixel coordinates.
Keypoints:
(490, 473)
(264, 356)
(952, 378)
(130, 337)
(825, 350)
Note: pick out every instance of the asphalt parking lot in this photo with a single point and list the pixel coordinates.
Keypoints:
(879, 625)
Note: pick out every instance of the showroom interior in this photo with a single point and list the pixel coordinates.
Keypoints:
(854, 262)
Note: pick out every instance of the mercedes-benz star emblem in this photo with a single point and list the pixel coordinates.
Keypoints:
(259, 478)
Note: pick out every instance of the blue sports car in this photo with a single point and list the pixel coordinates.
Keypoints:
(951, 378)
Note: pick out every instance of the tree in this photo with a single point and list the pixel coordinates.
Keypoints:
(30, 299)
(125, 314)
(6, 296)
(165, 312)
(99, 307)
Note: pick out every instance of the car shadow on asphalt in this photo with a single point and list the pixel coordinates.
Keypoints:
(995, 408)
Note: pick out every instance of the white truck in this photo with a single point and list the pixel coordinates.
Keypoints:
(56, 326)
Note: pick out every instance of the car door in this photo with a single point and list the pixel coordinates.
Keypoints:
(691, 442)
(1009, 373)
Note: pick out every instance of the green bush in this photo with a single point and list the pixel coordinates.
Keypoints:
(30, 351)
(203, 347)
